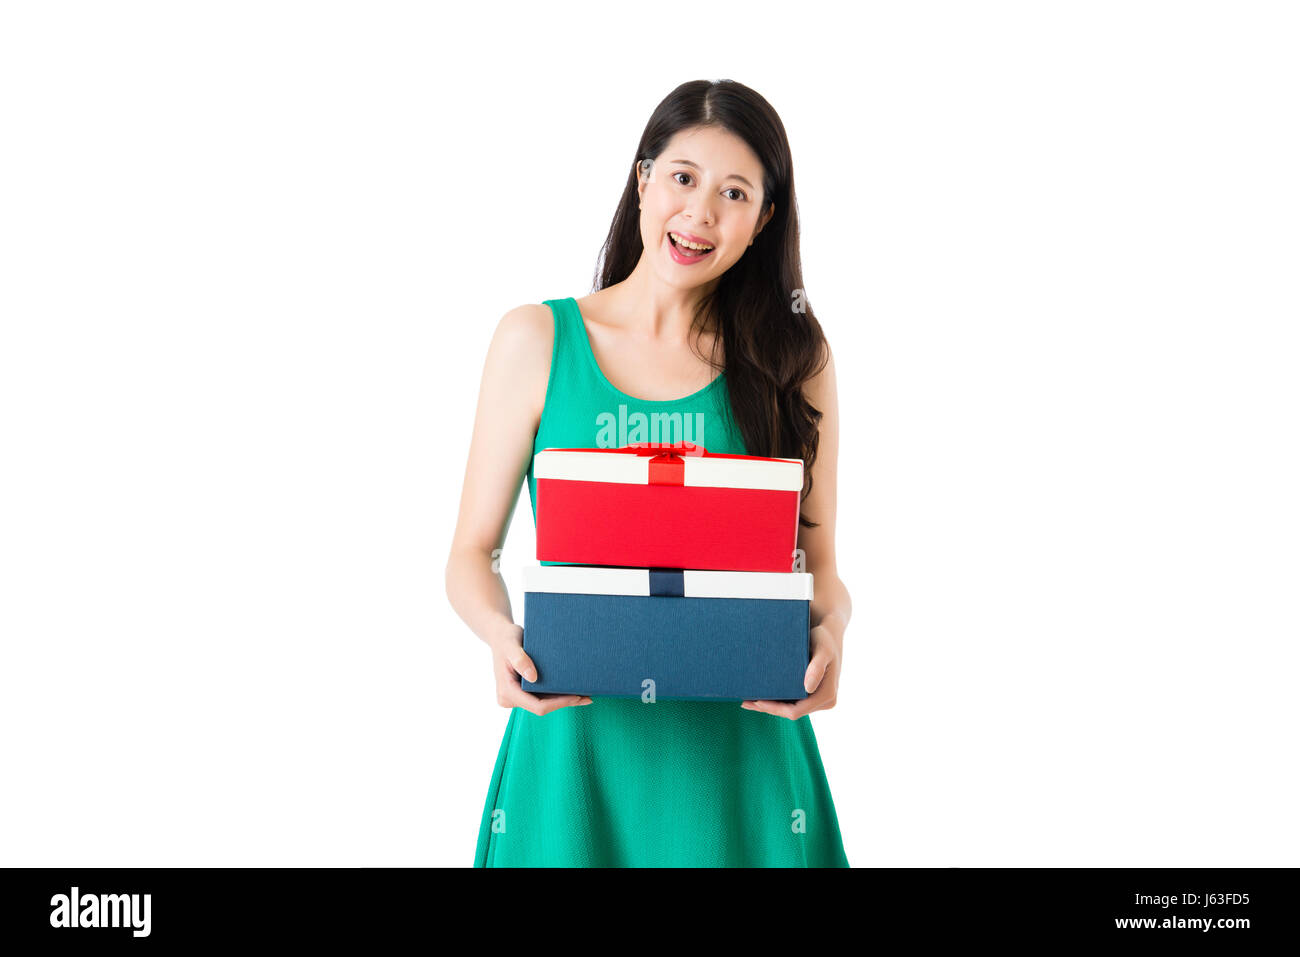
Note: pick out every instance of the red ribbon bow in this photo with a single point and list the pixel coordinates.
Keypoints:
(666, 448)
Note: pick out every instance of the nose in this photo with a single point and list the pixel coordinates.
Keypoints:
(701, 211)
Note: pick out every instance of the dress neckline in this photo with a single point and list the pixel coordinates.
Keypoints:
(591, 357)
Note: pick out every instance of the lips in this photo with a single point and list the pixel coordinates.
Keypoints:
(686, 256)
(692, 238)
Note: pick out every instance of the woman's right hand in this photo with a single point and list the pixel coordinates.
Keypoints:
(509, 661)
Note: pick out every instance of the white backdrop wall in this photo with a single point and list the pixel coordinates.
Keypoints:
(253, 254)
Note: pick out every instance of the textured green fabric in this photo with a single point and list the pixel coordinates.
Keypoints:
(623, 783)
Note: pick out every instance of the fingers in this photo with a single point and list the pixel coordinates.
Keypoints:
(510, 694)
(522, 664)
(821, 692)
(794, 710)
(783, 709)
(812, 678)
(547, 705)
(519, 698)
(825, 654)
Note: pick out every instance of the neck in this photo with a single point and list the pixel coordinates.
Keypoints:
(654, 308)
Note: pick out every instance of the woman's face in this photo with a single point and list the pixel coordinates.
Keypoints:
(705, 187)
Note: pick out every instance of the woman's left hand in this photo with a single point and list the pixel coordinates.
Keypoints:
(821, 680)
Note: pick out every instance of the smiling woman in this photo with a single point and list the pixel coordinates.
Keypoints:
(703, 247)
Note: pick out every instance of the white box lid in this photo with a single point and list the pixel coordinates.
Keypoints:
(718, 471)
(696, 583)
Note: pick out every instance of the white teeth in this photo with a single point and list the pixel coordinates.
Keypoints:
(689, 245)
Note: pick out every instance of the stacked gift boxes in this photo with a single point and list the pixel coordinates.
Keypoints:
(677, 574)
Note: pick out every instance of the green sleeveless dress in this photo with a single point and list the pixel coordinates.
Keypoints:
(623, 783)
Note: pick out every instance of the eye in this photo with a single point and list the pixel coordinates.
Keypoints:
(733, 189)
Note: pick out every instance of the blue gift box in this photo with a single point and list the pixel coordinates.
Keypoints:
(633, 632)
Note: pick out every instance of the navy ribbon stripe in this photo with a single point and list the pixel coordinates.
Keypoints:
(667, 583)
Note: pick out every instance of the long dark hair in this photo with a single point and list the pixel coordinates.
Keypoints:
(772, 342)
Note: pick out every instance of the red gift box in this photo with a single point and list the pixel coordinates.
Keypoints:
(662, 505)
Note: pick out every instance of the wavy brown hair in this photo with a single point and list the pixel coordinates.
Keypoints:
(772, 343)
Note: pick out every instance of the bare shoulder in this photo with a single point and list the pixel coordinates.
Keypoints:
(519, 358)
(525, 331)
(819, 390)
(523, 339)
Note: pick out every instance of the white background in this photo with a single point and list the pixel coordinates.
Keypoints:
(253, 254)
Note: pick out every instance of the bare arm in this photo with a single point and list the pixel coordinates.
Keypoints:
(831, 606)
(512, 392)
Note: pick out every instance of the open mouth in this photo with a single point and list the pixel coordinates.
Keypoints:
(686, 252)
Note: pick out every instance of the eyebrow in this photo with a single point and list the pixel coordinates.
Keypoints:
(686, 162)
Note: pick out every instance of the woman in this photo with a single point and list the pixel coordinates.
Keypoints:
(700, 273)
